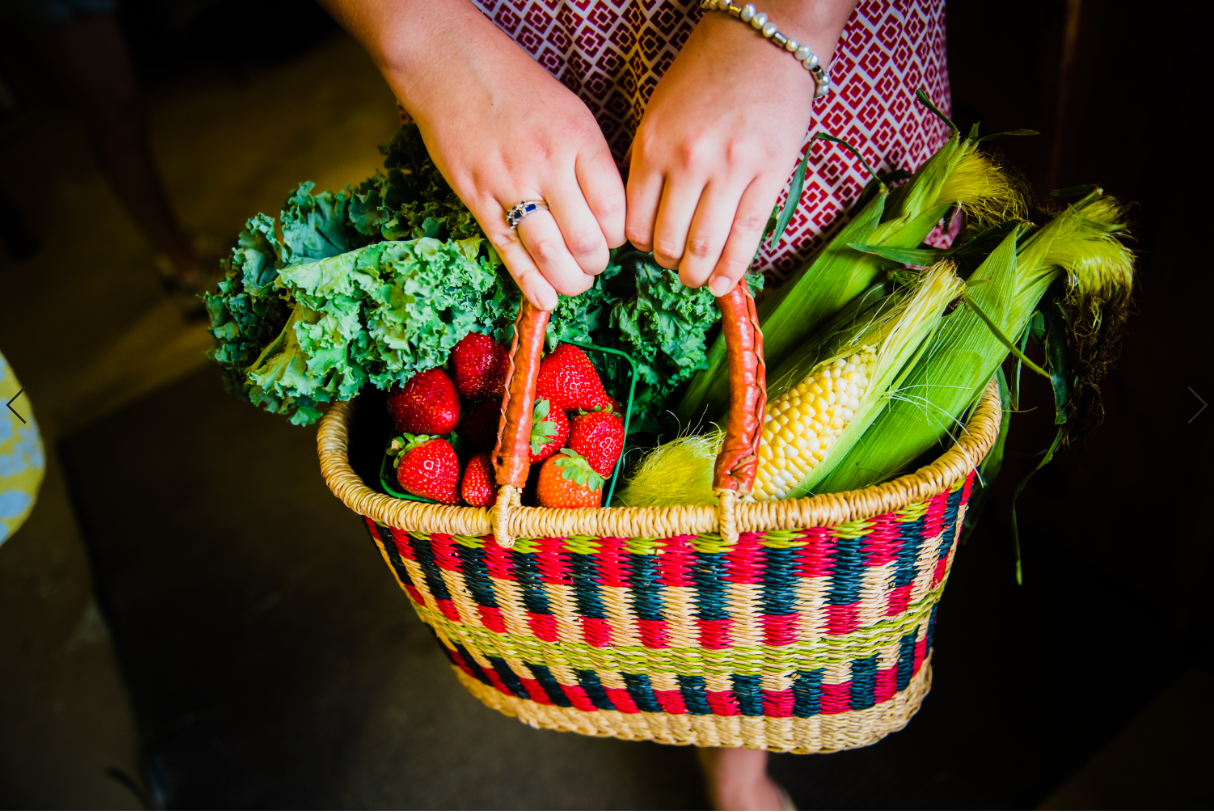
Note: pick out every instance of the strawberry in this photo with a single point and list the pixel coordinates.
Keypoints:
(479, 487)
(428, 467)
(479, 364)
(570, 382)
(599, 437)
(549, 430)
(426, 404)
(478, 425)
(568, 481)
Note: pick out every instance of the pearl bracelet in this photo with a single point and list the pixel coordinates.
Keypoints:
(758, 20)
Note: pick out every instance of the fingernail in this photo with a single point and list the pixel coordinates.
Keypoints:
(547, 299)
(720, 285)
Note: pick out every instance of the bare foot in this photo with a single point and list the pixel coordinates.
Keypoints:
(737, 779)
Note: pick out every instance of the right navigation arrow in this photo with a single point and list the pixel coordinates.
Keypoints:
(1203, 405)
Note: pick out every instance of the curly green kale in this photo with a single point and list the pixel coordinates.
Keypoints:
(378, 282)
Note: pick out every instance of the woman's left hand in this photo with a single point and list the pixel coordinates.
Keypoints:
(719, 139)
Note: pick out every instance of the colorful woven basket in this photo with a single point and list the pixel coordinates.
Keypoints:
(798, 626)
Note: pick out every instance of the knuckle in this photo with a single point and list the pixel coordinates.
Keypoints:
(667, 252)
(750, 222)
(501, 240)
(611, 204)
(546, 250)
(732, 266)
(582, 243)
(701, 247)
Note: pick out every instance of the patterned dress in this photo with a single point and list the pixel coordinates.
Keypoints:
(612, 53)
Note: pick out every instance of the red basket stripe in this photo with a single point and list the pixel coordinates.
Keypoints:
(577, 695)
(780, 630)
(542, 626)
(498, 561)
(621, 699)
(779, 703)
(596, 632)
(447, 607)
(842, 619)
(612, 562)
(722, 703)
(535, 690)
(445, 556)
(555, 565)
(671, 702)
(887, 684)
(836, 698)
(715, 634)
(744, 563)
(899, 599)
(417, 597)
(881, 546)
(654, 633)
(677, 560)
(491, 616)
(816, 559)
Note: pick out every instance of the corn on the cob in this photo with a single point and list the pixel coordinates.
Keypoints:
(949, 378)
(957, 174)
(816, 409)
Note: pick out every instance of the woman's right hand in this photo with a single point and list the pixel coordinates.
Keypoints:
(501, 130)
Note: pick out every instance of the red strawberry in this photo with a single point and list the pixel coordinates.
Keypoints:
(599, 437)
(479, 364)
(478, 425)
(479, 487)
(570, 382)
(426, 404)
(428, 467)
(568, 481)
(549, 430)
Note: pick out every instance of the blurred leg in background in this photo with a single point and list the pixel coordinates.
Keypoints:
(80, 49)
(737, 778)
(89, 58)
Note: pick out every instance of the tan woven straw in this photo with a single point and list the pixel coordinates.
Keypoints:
(798, 626)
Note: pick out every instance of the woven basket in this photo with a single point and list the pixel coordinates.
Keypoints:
(799, 626)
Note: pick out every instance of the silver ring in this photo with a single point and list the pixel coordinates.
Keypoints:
(516, 213)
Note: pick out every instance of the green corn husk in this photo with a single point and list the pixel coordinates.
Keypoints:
(928, 407)
(808, 424)
(958, 174)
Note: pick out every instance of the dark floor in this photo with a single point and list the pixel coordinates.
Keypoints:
(273, 661)
(251, 649)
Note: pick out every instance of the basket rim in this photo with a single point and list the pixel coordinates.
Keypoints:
(822, 510)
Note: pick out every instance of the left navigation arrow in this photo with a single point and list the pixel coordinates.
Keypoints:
(10, 404)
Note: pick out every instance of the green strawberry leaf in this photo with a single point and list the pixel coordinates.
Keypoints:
(575, 468)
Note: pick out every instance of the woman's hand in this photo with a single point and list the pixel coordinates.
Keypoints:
(719, 139)
(501, 130)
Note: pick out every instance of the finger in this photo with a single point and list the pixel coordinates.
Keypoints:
(527, 275)
(709, 230)
(680, 197)
(543, 240)
(603, 191)
(749, 221)
(579, 229)
(644, 192)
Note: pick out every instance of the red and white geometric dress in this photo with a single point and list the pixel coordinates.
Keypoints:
(612, 53)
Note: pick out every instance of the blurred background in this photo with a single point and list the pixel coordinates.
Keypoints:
(189, 619)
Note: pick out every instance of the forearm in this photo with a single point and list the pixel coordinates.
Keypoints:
(411, 41)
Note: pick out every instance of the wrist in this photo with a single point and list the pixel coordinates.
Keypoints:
(814, 25)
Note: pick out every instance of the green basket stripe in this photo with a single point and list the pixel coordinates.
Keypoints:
(826, 651)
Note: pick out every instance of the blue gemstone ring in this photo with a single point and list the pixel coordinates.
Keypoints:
(516, 213)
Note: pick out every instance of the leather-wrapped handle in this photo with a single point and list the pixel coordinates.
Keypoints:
(737, 463)
(512, 454)
(739, 458)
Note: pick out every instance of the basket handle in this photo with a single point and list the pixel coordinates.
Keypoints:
(734, 472)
